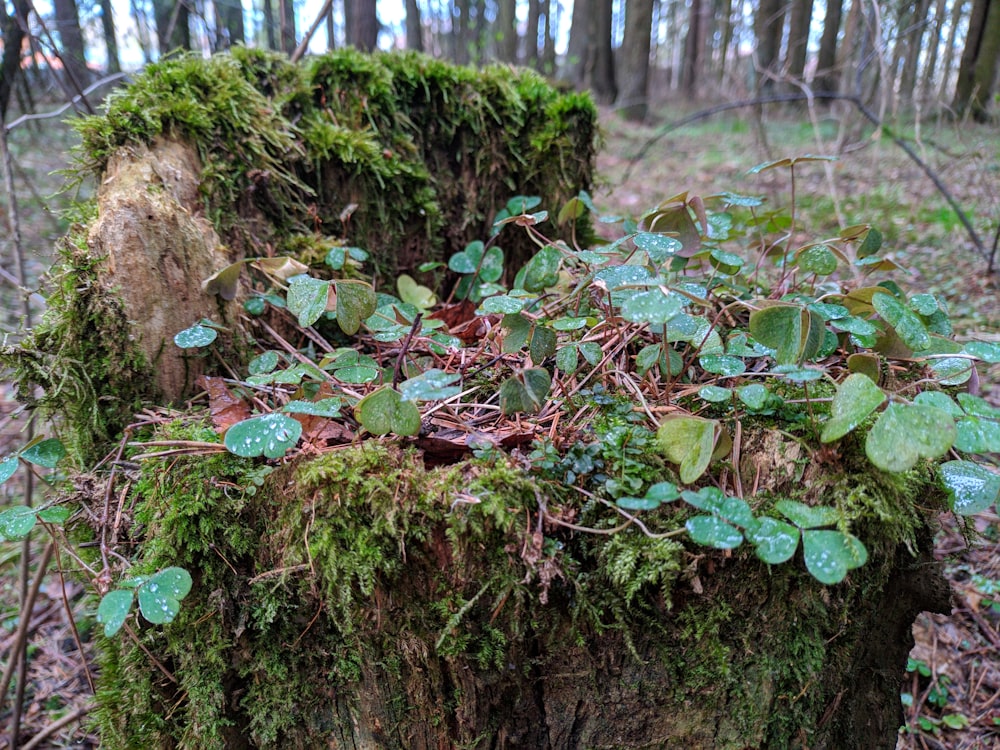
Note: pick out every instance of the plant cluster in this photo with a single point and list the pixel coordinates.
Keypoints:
(620, 363)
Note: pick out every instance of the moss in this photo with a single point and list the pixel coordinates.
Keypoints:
(360, 575)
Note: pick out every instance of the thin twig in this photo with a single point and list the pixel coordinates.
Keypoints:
(71, 103)
(57, 725)
(301, 49)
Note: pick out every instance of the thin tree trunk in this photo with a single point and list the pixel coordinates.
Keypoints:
(580, 33)
(110, 37)
(602, 74)
(360, 24)
(934, 45)
(694, 47)
(530, 56)
(73, 51)
(965, 88)
(270, 23)
(172, 30)
(768, 24)
(505, 31)
(911, 61)
(726, 40)
(633, 97)
(985, 72)
(13, 41)
(331, 30)
(229, 22)
(827, 76)
(288, 35)
(414, 28)
(798, 40)
(949, 49)
(548, 63)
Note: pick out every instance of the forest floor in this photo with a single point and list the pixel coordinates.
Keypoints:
(952, 700)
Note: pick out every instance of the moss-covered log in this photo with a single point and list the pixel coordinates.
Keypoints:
(361, 600)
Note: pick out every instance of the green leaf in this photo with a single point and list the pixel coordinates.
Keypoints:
(983, 350)
(615, 278)
(415, 294)
(721, 364)
(568, 359)
(592, 352)
(385, 410)
(924, 304)
(638, 503)
(972, 488)
(356, 301)
(977, 435)
(939, 400)
(160, 596)
(797, 373)
(865, 364)
(356, 374)
(818, 260)
(688, 442)
(568, 324)
(431, 385)
(775, 541)
(7, 468)
(542, 271)
(951, 370)
(45, 453)
(910, 329)
(525, 391)
(830, 554)
(56, 514)
(753, 395)
(794, 332)
(725, 263)
(955, 721)
(113, 610)
(665, 492)
(517, 329)
(712, 531)
(707, 498)
(17, 522)
(807, 516)
(905, 433)
(502, 303)
(476, 256)
(977, 406)
(337, 257)
(226, 282)
(307, 298)
(871, 244)
(654, 307)
(326, 407)
(542, 345)
(714, 394)
(271, 435)
(658, 247)
(856, 398)
(195, 336)
(264, 363)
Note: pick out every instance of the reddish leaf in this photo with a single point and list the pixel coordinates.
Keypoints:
(224, 408)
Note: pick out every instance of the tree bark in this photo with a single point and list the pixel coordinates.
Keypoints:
(911, 60)
(633, 97)
(798, 41)
(73, 52)
(949, 49)
(602, 74)
(530, 56)
(505, 31)
(694, 47)
(769, 22)
(110, 36)
(229, 23)
(172, 30)
(580, 33)
(360, 24)
(827, 76)
(286, 10)
(934, 44)
(13, 42)
(414, 28)
(977, 69)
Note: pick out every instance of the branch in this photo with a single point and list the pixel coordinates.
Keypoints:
(867, 113)
(301, 49)
(71, 103)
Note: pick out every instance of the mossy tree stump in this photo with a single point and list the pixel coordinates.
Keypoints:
(359, 598)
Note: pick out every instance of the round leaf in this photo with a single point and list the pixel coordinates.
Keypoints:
(113, 610)
(271, 435)
(327, 407)
(307, 298)
(713, 532)
(356, 301)
(159, 597)
(17, 522)
(503, 304)
(688, 442)
(56, 514)
(263, 363)
(45, 453)
(856, 398)
(654, 307)
(753, 395)
(830, 554)
(907, 325)
(972, 487)
(7, 468)
(818, 260)
(795, 333)
(807, 516)
(983, 350)
(542, 271)
(905, 433)
(384, 411)
(776, 541)
(715, 394)
(431, 385)
(721, 364)
(195, 336)
(638, 503)
(658, 247)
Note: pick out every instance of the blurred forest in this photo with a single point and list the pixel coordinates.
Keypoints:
(923, 56)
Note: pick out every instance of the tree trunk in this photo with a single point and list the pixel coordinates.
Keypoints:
(602, 75)
(73, 52)
(360, 24)
(462, 31)
(13, 43)
(172, 30)
(934, 45)
(798, 41)
(229, 24)
(726, 37)
(530, 56)
(633, 98)
(949, 50)
(977, 71)
(548, 62)
(286, 10)
(414, 27)
(769, 22)
(582, 29)
(827, 76)
(270, 24)
(914, 45)
(504, 34)
(110, 36)
(694, 47)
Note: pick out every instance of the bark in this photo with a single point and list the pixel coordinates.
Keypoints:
(360, 24)
(229, 22)
(462, 31)
(934, 45)
(798, 40)
(911, 60)
(580, 33)
(726, 36)
(110, 36)
(602, 74)
(286, 10)
(548, 63)
(694, 46)
(530, 56)
(633, 98)
(827, 75)
(414, 29)
(768, 24)
(505, 31)
(977, 69)
(73, 52)
(13, 41)
(949, 47)
(172, 30)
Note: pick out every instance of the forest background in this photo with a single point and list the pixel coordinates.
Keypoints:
(853, 78)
